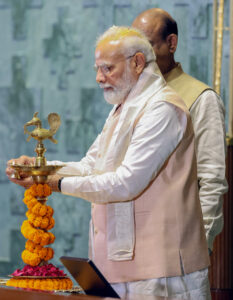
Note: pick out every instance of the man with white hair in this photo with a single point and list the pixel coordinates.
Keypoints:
(146, 231)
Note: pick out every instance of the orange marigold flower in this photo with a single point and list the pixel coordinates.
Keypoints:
(32, 203)
(36, 208)
(37, 221)
(51, 224)
(33, 189)
(52, 237)
(43, 210)
(44, 223)
(49, 212)
(49, 254)
(37, 237)
(47, 190)
(40, 190)
(44, 239)
(30, 246)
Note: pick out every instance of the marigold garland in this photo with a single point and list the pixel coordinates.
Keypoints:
(41, 284)
(35, 228)
(40, 219)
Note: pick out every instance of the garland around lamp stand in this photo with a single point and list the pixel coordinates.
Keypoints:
(38, 273)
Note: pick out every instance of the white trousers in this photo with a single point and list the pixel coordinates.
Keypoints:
(193, 286)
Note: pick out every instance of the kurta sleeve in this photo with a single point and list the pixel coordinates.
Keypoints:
(81, 168)
(155, 136)
(208, 121)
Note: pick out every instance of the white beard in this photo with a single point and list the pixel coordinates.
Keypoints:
(120, 91)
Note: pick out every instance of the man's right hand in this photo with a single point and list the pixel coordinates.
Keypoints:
(22, 160)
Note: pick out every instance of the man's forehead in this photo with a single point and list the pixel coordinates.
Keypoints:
(110, 50)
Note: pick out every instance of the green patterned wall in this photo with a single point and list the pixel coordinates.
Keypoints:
(46, 65)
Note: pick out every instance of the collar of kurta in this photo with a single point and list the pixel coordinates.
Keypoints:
(174, 73)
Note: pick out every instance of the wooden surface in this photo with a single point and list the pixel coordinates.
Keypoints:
(7, 293)
(26, 294)
(21, 294)
(221, 271)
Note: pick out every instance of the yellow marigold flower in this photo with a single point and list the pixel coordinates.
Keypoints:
(28, 193)
(56, 285)
(27, 198)
(37, 283)
(31, 284)
(42, 284)
(30, 258)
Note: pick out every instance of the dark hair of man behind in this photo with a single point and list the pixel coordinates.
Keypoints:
(169, 27)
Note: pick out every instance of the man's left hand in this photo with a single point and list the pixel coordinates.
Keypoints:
(28, 181)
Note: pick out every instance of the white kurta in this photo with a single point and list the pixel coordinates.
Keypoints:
(207, 114)
(155, 137)
(157, 134)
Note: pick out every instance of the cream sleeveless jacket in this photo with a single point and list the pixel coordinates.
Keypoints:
(169, 232)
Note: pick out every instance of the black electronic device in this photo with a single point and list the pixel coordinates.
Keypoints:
(88, 276)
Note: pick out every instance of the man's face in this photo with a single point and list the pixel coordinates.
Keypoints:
(152, 29)
(114, 74)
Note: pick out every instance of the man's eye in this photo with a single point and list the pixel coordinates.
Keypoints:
(107, 69)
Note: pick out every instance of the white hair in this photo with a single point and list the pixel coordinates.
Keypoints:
(131, 44)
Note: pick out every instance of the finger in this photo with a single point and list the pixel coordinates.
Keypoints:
(9, 171)
(12, 161)
(26, 160)
(26, 183)
(23, 174)
(22, 160)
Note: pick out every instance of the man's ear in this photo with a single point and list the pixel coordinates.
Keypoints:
(172, 40)
(139, 62)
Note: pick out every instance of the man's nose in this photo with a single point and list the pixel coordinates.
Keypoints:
(100, 78)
